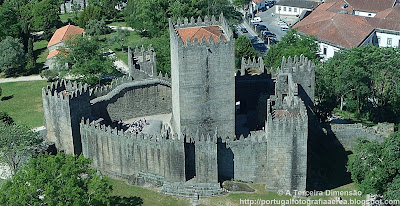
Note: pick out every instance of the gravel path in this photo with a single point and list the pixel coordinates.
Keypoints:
(22, 79)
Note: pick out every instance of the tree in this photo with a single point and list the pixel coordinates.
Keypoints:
(16, 144)
(4, 117)
(8, 22)
(95, 27)
(151, 17)
(89, 13)
(56, 180)
(363, 80)
(107, 7)
(45, 15)
(292, 44)
(241, 3)
(375, 167)
(119, 37)
(12, 56)
(244, 48)
(85, 60)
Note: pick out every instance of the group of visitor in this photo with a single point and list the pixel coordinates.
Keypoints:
(137, 126)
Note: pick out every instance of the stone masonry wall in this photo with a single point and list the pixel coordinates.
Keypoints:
(63, 110)
(124, 154)
(250, 158)
(135, 99)
(202, 82)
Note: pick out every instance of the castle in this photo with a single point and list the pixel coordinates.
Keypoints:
(204, 125)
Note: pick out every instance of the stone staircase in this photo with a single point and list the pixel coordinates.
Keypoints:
(191, 190)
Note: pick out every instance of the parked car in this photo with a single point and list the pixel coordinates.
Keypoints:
(244, 30)
(284, 27)
(268, 34)
(256, 20)
(262, 28)
(262, 8)
(270, 4)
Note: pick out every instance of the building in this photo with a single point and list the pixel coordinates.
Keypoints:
(347, 24)
(294, 7)
(184, 133)
(57, 40)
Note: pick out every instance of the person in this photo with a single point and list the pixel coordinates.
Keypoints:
(273, 14)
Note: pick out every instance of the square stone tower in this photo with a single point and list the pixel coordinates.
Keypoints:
(202, 71)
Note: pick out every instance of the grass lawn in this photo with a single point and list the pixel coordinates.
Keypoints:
(353, 117)
(25, 101)
(149, 197)
(40, 50)
(64, 17)
(234, 198)
(130, 40)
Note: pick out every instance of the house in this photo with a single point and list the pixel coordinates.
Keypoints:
(59, 37)
(340, 24)
(294, 7)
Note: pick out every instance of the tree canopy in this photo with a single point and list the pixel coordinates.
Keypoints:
(292, 44)
(56, 180)
(151, 17)
(83, 58)
(244, 48)
(12, 56)
(375, 167)
(16, 143)
(364, 80)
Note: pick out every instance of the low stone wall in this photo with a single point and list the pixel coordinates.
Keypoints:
(347, 134)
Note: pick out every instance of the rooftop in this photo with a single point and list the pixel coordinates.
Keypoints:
(64, 33)
(200, 32)
(52, 53)
(298, 3)
(329, 22)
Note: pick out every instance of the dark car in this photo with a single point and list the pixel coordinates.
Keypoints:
(263, 8)
(262, 27)
(244, 30)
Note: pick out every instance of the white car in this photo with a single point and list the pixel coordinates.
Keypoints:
(284, 27)
(256, 20)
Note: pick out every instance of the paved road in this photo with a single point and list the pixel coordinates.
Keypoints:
(22, 79)
(257, 42)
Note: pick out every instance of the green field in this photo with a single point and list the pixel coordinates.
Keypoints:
(149, 197)
(40, 51)
(24, 102)
(64, 17)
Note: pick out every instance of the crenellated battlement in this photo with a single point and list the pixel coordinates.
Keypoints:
(105, 89)
(212, 26)
(295, 65)
(252, 63)
(142, 62)
(93, 126)
(65, 90)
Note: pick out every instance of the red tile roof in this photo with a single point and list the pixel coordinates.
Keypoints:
(64, 33)
(371, 5)
(52, 54)
(343, 29)
(200, 32)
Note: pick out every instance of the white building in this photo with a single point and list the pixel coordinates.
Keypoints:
(294, 7)
(339, 24)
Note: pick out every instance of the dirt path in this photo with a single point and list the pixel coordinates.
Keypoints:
(22, 79)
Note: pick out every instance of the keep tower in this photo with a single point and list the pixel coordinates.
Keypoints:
(202, 71)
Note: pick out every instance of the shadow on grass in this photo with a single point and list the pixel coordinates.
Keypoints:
(126, 201)
(7, 98)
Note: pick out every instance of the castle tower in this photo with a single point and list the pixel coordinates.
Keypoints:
(202, 70)
(142, 62)
(64, 104)
(287, 134)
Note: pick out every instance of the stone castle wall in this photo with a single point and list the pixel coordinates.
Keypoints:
(64, 104)
(123, 154)
(134, 99)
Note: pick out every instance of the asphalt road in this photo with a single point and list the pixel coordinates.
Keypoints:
(257, 43)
